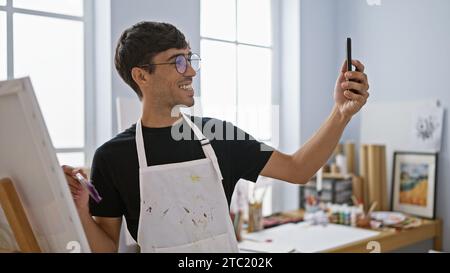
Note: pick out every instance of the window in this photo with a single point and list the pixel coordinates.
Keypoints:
(236, 77)
(217, 88)
(49, 45)
(236, 81)
(255, 90)
(66, 7)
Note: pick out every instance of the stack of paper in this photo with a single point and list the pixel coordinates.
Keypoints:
(247, 246)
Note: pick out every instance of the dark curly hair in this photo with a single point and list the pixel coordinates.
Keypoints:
(140, 43)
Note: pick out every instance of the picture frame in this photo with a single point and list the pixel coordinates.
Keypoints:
(414, 177)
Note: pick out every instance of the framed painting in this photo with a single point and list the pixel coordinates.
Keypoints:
(414, 183)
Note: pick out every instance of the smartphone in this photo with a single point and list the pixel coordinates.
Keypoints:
(349, 60)
(349, 54)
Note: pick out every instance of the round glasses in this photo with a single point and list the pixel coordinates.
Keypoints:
(181, 63)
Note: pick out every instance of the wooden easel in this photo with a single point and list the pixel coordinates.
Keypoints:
(17, 219)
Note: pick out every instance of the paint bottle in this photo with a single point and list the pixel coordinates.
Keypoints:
(353, 217)
(340, 159)
(335, 215)
(341, 216)
(346, 218)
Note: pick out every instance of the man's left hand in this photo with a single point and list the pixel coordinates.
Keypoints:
(350, 102)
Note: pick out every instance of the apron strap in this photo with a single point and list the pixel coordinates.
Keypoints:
(206, 145)
(140, 145)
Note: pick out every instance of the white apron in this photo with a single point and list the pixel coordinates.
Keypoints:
(183, 205)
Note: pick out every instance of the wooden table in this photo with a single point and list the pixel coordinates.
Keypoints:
(393, 240)
(389, 240)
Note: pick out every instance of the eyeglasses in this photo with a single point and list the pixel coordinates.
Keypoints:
(181, 63)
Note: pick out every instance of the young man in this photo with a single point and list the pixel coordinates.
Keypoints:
(175, 194)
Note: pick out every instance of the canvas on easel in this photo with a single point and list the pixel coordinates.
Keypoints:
(29, 159)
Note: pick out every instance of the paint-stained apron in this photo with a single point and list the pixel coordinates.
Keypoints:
(183, 205)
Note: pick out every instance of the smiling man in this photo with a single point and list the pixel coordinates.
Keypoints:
(175, 193)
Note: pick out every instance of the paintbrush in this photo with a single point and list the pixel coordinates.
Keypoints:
(263, 194)
(372, 207)
(88, 185)
(355, 200)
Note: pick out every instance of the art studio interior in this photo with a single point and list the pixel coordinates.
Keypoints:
(250, 126)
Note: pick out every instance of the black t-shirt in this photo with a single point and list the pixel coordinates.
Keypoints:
(115, 167)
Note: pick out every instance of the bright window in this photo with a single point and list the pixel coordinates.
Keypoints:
(254, 22)
(236, 75)
(56, 74)
(49, 46)
(255, 90)
(218, 79)
(2, 2)
(66, 7)
(218, 19)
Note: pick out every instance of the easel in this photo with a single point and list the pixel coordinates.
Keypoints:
(17, 219)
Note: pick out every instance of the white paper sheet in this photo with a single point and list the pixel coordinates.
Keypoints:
(264, 247)
(426, 128)
(307, 238)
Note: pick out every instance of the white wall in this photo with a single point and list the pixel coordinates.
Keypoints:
(309, 71)
(319, 65)
(405, 45)
(287, 52)
(323, 41)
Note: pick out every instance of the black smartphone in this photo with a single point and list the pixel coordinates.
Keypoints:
(349, 54)
(349, 60)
